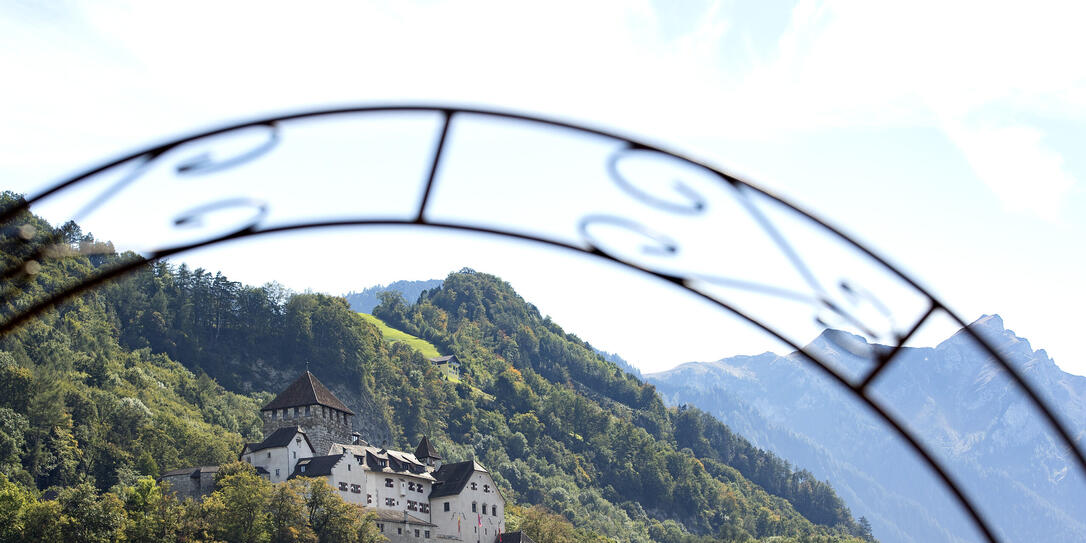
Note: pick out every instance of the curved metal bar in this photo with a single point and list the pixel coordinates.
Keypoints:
(859, 389)
(205, 163)
(900, 428)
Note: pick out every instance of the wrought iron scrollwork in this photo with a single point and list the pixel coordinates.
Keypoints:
(691, 202)
(837, 305)
(206, 162)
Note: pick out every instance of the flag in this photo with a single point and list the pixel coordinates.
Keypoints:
(480, 520)
(457, 524)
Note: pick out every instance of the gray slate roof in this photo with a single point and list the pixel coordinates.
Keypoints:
(444, 359)
(279, 438)
(384, 515)
(452, 478)
(516, 537)
(193, 472)
(426, 450)
(316, 466)
(306, 390)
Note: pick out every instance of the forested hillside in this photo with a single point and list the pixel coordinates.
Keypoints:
(168, 367)
(365, 301)
(610, 430)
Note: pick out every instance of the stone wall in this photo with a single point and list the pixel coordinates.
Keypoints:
(323, 426)
(191, 483)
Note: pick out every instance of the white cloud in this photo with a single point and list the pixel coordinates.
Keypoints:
(1014, 163)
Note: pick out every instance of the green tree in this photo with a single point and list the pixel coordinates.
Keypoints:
(289, 513)
(90, 518)
(44, 522)
(14, 502)
(238, 508)
(332, 519)
(153, 514)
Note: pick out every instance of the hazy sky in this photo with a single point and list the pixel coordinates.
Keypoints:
(947, 135)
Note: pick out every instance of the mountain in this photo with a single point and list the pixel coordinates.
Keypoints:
(365, 301)
(617, 360)
(952, 394)
(167, 366)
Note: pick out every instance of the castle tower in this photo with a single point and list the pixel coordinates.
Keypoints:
(309, 404)
(427, 453)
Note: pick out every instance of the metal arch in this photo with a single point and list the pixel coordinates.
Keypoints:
(204, 163)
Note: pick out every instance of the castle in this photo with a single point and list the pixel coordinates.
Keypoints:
(416, 497)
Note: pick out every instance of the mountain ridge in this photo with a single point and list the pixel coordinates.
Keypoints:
(802, 416)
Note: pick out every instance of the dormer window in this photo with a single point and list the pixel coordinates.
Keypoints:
(302, 468)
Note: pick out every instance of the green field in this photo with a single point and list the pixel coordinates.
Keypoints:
(393, 335)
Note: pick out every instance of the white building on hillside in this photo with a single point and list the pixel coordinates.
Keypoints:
(415, 496)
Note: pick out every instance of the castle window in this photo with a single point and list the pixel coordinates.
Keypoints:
(303, 468)
(486, 488)
(356, 489)
(296, 455)
(427, 533)
(399, 531)
(416, 532)
(343, 487)
(484, 508)
(277, 472)
(494, 510)
(446, 506)
(388, 483)
(381, 526)
(474, 507)
(348, 467)
(269, 455)
(369, 498)
(307, 410)
(390, 502)
(411, 486)
(474, 486)
(425, 509)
